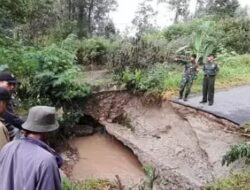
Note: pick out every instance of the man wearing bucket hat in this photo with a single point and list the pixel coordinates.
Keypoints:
(29, 163)
(4, 98)
(13, 122)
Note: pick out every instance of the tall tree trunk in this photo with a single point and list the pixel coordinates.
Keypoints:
(70, 10)
(90, 10)
(209, 4)
(176, 18)
(81, 19)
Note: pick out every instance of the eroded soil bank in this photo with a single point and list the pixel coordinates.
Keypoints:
(183, 145)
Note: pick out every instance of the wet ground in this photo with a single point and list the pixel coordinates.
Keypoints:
(184, 145)
(101, 156)
(185, 148)
(232, 104)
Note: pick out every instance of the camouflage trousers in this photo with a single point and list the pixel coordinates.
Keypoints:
(186, 85)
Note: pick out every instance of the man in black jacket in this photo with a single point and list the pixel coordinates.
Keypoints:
(210, 71)
(13, 122)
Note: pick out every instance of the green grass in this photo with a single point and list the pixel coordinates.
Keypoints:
(90, 184)
(234, 182)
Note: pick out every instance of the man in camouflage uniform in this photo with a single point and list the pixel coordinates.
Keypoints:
(189, 75)
(210, 71)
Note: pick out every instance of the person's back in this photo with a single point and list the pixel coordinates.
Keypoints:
(27, 165)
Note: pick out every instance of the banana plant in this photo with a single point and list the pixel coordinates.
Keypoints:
(200, 47)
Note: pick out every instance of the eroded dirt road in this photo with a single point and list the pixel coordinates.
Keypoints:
(184, 145)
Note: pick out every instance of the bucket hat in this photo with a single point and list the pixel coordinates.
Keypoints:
(41, 119)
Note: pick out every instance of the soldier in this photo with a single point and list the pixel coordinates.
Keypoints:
(210, 71)
(189, 75)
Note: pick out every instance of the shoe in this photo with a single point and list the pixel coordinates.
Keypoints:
(185, 99)
(210, 103)
(203, 102)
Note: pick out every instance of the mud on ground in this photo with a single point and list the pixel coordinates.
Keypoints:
(184, 145)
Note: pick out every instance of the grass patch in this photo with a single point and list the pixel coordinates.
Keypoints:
(90, 184)
(234, 182)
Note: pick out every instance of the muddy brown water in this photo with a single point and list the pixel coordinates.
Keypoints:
(101, 156)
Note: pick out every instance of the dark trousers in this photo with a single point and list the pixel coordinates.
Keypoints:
(208, 88)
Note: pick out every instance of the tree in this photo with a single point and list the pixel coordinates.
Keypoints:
(11, 13)
(180, 7)
(40, 18)
(27, 18)
(82, 19)
(90, 15)
(145, 15)
(223, 7)
(200, 8)
(14, 10)
(109, 29)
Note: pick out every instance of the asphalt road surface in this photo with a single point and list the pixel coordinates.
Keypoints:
(232, 104)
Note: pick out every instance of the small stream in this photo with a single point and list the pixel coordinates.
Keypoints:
(102, 156)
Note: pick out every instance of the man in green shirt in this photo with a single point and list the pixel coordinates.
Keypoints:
(210, 71)
(189, 75)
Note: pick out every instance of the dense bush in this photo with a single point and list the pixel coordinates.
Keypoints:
(176, 31)
(56, 76)
(230, 33)
(155, 79)
(236, 35)
(92, 52)
(48, 76)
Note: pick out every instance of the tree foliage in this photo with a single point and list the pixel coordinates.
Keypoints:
(180, 7)
(91, 15)
(144, 18)
(33, 19)
(223, 7)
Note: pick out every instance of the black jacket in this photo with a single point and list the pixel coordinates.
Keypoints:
(11, 118)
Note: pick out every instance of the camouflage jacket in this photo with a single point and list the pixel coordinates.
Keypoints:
(190, 69)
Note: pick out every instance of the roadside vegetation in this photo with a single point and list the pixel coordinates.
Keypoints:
(238, 181)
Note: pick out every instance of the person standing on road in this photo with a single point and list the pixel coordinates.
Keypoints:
(210, 71)
(189, 75)
(13, 122)
(29, 163)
